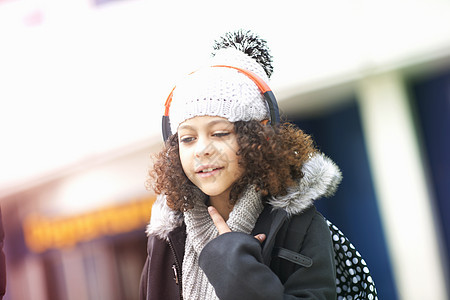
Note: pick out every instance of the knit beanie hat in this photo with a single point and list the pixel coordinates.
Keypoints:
(225, 92)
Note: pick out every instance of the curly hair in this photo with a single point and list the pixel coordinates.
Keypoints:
(271, 157)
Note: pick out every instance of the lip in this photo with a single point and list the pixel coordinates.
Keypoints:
(203, 167)
(215, 170)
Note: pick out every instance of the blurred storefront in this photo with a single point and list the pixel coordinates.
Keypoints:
(81, 235)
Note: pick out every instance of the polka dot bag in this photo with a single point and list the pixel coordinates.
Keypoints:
(353, 279)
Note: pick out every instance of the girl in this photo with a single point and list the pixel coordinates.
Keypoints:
(234, 217)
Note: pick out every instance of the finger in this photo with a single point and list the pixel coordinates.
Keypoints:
(220, 223)
(260, 237)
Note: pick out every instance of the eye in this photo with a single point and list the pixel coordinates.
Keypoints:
(221, 134)
(186, 140)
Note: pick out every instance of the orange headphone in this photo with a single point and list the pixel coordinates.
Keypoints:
(263, 87)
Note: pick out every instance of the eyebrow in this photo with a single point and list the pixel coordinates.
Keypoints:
(209, 124)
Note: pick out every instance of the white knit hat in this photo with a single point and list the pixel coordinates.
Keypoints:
(225, 92)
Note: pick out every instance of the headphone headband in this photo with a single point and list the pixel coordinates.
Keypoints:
(262, 85)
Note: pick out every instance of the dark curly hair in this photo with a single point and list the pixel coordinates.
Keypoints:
(271, 156)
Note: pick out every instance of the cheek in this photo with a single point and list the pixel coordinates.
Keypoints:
(239, 168)
(234, 162)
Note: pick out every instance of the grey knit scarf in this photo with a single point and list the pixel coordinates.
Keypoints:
(201, 229)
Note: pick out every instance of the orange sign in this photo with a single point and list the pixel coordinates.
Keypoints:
(43, 233)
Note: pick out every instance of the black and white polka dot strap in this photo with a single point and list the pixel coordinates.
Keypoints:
(353, 278)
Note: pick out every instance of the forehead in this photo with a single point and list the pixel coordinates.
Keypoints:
(204, 122)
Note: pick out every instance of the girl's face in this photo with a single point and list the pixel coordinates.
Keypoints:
(208, 148)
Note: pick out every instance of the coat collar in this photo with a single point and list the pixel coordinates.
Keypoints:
(321, 179)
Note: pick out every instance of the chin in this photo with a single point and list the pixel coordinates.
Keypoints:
(211, 193)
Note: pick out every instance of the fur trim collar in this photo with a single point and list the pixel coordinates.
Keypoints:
(321, 179)
(163, 219)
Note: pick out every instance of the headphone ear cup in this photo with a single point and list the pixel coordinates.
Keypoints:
(166, 132)
(273, 107)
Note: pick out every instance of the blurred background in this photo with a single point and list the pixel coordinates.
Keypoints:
(82, 88)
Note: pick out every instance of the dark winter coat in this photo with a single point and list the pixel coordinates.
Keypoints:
(296, 261)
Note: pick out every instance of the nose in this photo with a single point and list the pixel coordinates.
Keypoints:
(204, 147)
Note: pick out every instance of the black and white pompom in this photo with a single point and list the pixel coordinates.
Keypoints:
(249, 43)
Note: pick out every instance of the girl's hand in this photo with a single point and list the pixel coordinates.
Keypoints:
(222, 226)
